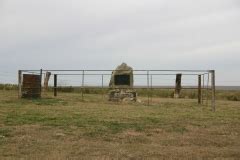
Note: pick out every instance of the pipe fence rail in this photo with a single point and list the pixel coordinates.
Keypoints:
(205, 80)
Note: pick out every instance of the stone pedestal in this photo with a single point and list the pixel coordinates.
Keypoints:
(122, 95)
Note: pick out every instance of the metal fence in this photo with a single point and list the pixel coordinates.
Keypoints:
(143, 79)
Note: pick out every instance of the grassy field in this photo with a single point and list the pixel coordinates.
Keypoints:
(68, 128)
(231, 93)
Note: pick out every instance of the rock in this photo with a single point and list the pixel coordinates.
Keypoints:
(122, 70)
(139, 101)
(121, 84)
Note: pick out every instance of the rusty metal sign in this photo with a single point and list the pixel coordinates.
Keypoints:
(31, 86)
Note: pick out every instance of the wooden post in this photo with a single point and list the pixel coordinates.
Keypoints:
(55, 85)
(199, 89)
(19, 84)
(178, 85)
(213, 90)
(40, 82)
(46, 80)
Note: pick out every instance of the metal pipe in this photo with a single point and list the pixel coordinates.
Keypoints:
(207, 87)
(55, 85)
(148, 86)
(203, 87)
(134, 74)
(82, 85)
(102, 88)
(151, 87)
(123, 70)
(199, 89)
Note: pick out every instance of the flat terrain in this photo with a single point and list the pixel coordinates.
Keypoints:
(68, 128)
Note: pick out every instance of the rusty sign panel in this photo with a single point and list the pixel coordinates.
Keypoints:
(31, 86)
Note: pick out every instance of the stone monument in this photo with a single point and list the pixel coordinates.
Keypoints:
(121, 84)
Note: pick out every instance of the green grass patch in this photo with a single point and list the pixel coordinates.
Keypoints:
(4, 134)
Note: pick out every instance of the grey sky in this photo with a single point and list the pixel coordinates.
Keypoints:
(100, 34)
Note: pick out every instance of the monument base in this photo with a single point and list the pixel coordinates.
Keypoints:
(118, 95)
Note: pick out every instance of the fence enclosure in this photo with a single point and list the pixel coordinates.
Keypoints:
(203, 81)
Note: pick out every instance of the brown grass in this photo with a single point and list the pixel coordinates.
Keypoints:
(68, 128)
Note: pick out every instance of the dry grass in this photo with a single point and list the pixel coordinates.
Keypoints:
(67, 128)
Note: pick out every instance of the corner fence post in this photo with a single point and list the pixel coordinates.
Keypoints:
(199, 89)
(207, 88)
(213, 91)
(102, 88)
(55, 85)
(148, 86)
(151, 89)
(19, 84)
(203, 88)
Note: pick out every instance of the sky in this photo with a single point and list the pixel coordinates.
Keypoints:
(146, 34)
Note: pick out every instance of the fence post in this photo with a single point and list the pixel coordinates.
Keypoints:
(46, 80)
(151, 82)
(83, 84)
(19, 84)
(199, 89)
(55, 85)
(178, 85)
(148, 86)
(213, 90)
(207, 88)
(41, 82)
(102, 88)
(203, 88)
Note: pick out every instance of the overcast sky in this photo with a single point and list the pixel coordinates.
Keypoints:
(101, 34)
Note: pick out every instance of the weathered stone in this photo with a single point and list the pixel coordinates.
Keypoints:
(122, 95)
(121, 84)
(122, 70)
